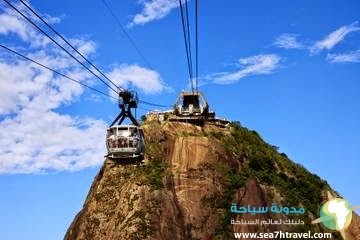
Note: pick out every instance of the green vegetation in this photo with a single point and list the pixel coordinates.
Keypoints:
(154, 173)
(216, 134)
(258, 159)
(263, 161)
(153, 149)
(151, 174)
(143, 118)
(231, 180)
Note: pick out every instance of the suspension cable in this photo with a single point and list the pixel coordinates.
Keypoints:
(53, 40)
(154, 104)
(186, 44)
(57, 72)
(197, 46)
(127, 35)
(66, 41)
(188, 37)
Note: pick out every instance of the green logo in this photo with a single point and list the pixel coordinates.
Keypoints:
(335, 214)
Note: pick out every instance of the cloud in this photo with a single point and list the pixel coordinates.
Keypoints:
(334, 37)
(11, 23)
(34, 137)
(51, 19)
(254, 65)
(350, 57)
(153, 10)
(146, 80)
(38, 141)
(86, 47)
(288, 41)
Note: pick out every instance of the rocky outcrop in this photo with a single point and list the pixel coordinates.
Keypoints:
(185, 189)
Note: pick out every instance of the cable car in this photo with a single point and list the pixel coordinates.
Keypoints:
(125, 142)
(191, 104)
(192, 107)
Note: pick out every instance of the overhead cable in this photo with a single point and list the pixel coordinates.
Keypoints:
(57, 72)
(53, 40)
(184, 29)
(153, 104)
(187, 23)
(197, 46)
(127, 35)
(66, 41)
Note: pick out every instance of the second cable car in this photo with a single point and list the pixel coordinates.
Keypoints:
(192, 107)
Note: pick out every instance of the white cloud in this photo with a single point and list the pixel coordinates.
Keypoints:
(254, 65)
(52, 20)
(38, 141)
(153, 10)
(334, 37)
(288, 41)
(146, 80)
(12, 23)
(34, 137)
(85, 47)
(350, 57)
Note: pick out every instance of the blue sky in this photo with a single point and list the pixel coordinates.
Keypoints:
(287, 69)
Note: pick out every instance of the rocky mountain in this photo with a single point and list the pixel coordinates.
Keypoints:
(188, 183)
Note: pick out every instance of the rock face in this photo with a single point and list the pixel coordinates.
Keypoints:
(190, 178)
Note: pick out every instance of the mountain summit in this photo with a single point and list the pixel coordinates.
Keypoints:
(191, 178)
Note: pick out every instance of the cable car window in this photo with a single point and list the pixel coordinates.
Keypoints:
(111, 138)
(133, 132)
(112, 131)
(123, 132)
(112, 142)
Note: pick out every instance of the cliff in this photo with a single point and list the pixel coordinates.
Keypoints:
(190, 178)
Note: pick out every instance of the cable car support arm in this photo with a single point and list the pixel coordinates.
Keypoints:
(127, 101)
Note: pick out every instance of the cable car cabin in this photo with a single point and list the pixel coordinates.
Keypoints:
(125, 143)
(192, 107)
(191, 103)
